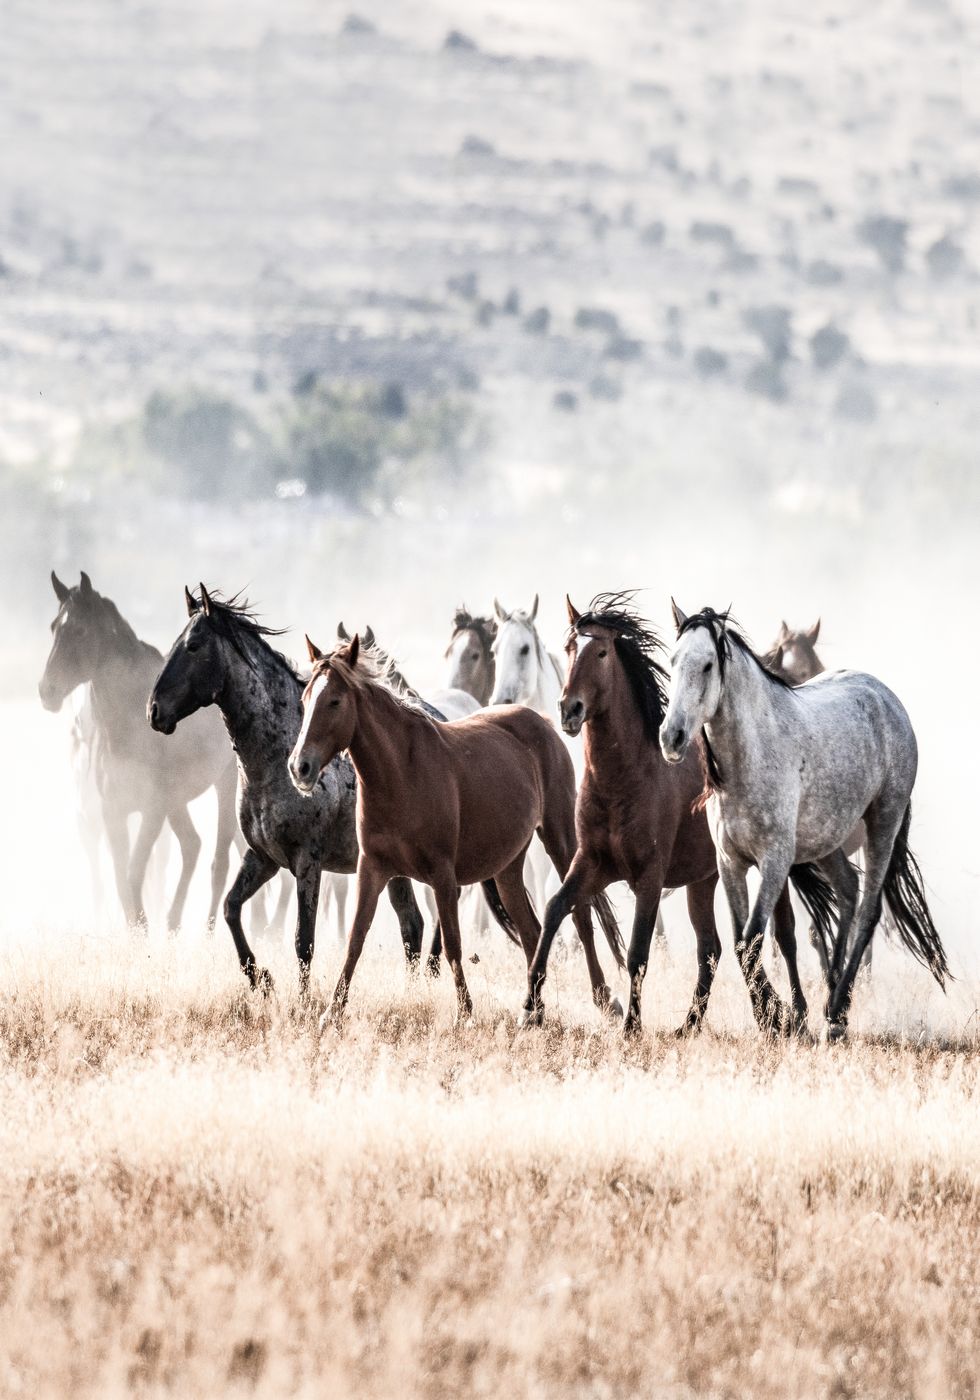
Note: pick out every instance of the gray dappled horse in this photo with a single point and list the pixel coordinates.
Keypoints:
(792, 771)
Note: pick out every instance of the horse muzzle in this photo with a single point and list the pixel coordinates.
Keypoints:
(304, 772)
(50, 699)
(158, 717)
(674, 741)
(572, 717)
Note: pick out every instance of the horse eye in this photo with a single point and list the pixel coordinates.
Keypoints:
(525, 649)
(603, 653)
(334, 703)
(474, 656)
(706, 668)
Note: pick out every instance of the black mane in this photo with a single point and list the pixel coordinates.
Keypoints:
(724, 632)
(121, 631)
(638, 648)
(234, 619)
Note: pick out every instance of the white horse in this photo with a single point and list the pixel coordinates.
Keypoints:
(526, 673)
(792, 770)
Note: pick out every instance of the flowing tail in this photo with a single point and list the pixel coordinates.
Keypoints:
(496, 906)
(820, 902)
(906, 899)
(609, 926)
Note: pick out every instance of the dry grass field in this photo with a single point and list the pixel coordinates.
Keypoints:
(196, 1197)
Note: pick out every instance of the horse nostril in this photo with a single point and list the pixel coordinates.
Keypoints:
(678, 738)
(154, 712)
(305, 769)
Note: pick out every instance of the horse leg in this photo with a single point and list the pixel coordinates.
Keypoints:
(151, 824)
(558, 840)
(370, 883)
(433, 964)
(307, 875)
(277, 923)
(447, 902)
(784, 931)
(340, 886)
(254, 871)
(644, 918)
(844, 879)
(581, 882)
(701, 909)
(190, 848)
(227, 822)
(401, 897)
(748, 931)
(117, 834)
(883, 829)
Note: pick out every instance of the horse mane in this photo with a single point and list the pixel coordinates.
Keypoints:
(484, 627)
(235, 621)
(375, 670)
(724, 632)
(638, 648)
(122, 632)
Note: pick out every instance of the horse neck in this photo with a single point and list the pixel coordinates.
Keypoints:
(380, 742)
(548, 692)
(261, 705)
(122, 675)
(616, 743)
(742, 727)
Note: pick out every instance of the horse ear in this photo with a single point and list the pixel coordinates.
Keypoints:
(502, 616)
(85, 585)
(193, 606)
(354, 650)
(315, 653)
(679, 617)
(812, 633)
(61, 590)
(783, 630)
(534, 609)
(369, 636)
(205, 600)
(342, 633)
(573, 612)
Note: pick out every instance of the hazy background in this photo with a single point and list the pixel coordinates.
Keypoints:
(374, 312)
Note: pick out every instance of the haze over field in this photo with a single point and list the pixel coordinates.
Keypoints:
(369, 313)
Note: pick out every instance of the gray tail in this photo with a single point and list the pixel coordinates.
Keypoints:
(496, 906)
(609, 926)
(820, 902)
(906, 899)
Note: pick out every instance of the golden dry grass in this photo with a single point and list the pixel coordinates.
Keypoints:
(197, 1199)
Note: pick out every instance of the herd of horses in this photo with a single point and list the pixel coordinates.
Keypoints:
(692, 768)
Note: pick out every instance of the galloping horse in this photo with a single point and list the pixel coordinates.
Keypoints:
(791, 771)
(137, 772)
(638, 819)
(470, 655)
(448, 804)
(223, 658)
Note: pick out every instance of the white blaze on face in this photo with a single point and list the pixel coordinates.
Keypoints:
(456, 656)
(316, 691)
(581, 642)
(789, 660)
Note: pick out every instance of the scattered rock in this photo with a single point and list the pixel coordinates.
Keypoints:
(653, 234)
(822, 273)
(458, 42)
(511, 304)
(945, 257)
(856, 403)
(565, 401)
(538, 321)
(357, 24)
(828, 346)
(712, 231)
(764, 378)
(476, 146)
(623, 348)
(464, 284)
(709, 362)
(964, 186)
(606, 389)
(886, 236)
(597, 318)
(773, 326)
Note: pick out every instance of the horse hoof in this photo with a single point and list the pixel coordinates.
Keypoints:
(836, 1031)
(688, 1029)
(530, 1016)
(614, 1009)
(631, 1028)
(264, 982)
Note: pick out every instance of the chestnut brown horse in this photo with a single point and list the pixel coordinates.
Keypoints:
(640, 819)
(448, 804)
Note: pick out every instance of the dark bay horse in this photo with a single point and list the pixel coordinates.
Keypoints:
(470, 655)
(638, 819)
(448, 804)
(137, 772)
(223, 657)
